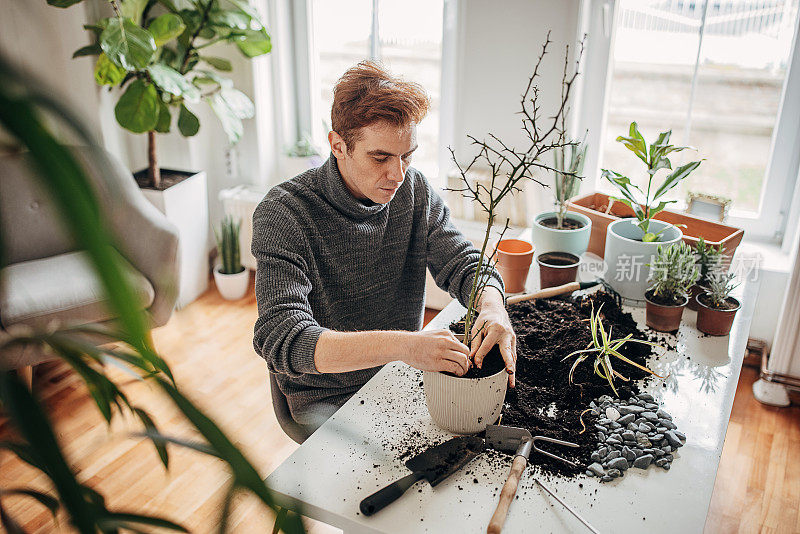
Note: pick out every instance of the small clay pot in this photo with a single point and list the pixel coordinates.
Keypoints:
(663, 318)
(514, 257)
(695, 290)
(715, 322)
(557, 268)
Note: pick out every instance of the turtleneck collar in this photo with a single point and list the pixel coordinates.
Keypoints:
(336, 192)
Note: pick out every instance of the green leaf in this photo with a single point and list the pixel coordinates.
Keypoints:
(166, 27)
(150, 426)
(204, 448)
(209, 76)
(133, 9)
(218, 63)
(88, 50)
(62, 3)
(164, 118)
(675, 177)
(245, 7)
(173, 82)
(255, 43)
(115, 520)
(188, 124)
(106, 73)
(231, 123)
(24, 452)
(126, 44)
(635, 142)
(138, 107)
(230, 19)
(47, 500)
(238, 102)
(169, 5)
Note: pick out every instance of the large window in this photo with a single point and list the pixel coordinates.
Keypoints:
(713, 72)
(406, 35)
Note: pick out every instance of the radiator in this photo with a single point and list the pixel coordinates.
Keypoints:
(240, 202)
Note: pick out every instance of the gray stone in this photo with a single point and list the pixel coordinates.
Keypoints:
(666, 466)
(603, 421)
(602, 451)
(643, 427)
(614, 473)
(663, 415)
(681, 436)
(601, 436)
(668, 424)
(642, 440)
(612, 413)
(601, 428)
(613, 455)
(605, 398)
(606, 479)
(651, 406)
(628, 435)
(632, 426)
(596, 457)
(673, 439)
(616, 436)
(592, 405)
(589, 473)
(640, 420)
(626, 419)
(618, 463)
(650, 416)
(658, 437)
(660, 462)
(666, 448)
(643, 462)
(628, 453)
(597, 469)
(612, 441)
(645, 397)
(631, 408)
(659, 452)
(615, 425)
(661, 429)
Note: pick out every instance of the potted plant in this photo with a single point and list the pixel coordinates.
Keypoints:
(708, 259)
(560, 230)
(672, 273)
(156, 55)
(469, 403)
(300, 157)
(631, 244)
(716, 308)
(230, 275)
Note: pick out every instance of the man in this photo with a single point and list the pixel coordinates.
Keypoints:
(342, 252)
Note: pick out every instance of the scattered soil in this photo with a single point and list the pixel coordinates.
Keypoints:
(664, 301)
(569, 224)
(169, 178)
(729, 304)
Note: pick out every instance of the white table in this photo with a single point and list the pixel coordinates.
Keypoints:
(356, 452)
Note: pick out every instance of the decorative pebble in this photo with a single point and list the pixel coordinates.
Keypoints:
(628, 435)
(624, 410)
(597, 469)
(614, 473)
(643, 462)
(612, 413)
(626, 419)
(613, 455)
(618, 463)
(663, 415)
(645, 397)
(650, 416)
(673, 439)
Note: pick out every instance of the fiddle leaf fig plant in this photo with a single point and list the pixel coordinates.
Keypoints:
(655, 158)
(154, 51)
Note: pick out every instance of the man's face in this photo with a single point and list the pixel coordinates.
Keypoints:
(375, 167)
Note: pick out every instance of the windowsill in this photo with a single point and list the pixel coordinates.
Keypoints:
(771, 256)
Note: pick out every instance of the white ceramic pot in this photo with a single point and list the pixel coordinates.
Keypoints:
(627, 258)
(232, 286)
(548, 239)
(464, 405)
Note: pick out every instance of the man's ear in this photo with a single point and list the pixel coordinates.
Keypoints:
(338, 146)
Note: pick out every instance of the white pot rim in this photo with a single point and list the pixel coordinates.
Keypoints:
(220, 273)
(662, 224)
(587, 222)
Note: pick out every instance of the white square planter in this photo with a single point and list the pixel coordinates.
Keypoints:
(186, 206)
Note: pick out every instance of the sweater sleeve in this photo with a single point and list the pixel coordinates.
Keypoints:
(286, 332)
(452, 258)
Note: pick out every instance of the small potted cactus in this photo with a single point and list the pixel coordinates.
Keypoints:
(716, 308)
(230, 275)
(708, 258)
(672, 273)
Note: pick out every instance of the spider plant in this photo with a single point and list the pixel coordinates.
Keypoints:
(603, 347)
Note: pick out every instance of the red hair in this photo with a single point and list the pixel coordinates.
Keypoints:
(367, 93)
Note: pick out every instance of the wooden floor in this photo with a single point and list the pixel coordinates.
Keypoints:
(209, 347)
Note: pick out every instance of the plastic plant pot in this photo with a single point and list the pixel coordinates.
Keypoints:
(557, 268)
(663, 318)
(713, 321)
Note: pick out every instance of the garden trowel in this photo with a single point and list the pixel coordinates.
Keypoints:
(434, 465)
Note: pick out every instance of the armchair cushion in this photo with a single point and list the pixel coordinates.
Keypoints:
(63, 288)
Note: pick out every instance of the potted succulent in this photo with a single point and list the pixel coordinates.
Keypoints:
(631, 244)
(230, 275)
(708, 258)
(156, 55)
(716, 308)
(672, 273)
(470, 403)
(300, 157)
(560, 230)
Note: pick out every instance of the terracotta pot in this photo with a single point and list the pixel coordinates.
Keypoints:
(557, 268)
(514, 257)
(693, 292)
(715, 322)
(593, 206)
(663, 318)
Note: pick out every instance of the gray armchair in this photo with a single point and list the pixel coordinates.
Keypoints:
(47, 278)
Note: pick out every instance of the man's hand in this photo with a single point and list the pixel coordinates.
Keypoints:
(493, 327)
(437, 350)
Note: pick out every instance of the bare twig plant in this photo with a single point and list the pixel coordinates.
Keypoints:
(509, 166)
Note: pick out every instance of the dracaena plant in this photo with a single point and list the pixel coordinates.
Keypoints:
(155, 52)
(227, 236)
(569, 161)
(673, 272)
(647, 204)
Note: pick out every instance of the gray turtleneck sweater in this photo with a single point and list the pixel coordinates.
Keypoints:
(329, 261)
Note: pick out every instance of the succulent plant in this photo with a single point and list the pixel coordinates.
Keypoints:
(708, 258)
(673, 272)
(719, 285)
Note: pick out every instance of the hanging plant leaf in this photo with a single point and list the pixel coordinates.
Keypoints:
(138, 107)
(88, 50)
(231, 123)
(166, 27)
(255, 43)
(63, 3)
(188, 124)
(106, 73)
(127, 45)
(218, 63)
(173, 82)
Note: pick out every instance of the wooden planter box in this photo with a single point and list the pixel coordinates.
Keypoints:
(594, 206)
